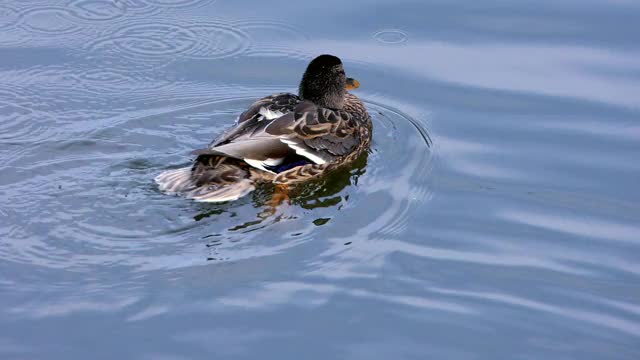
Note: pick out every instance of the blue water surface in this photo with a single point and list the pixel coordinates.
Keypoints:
(497, 215)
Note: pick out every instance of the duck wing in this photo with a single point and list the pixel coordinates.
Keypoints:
(267, 108)
(317, 133)
(274, 127)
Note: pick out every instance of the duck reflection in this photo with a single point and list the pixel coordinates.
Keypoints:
(325, 192)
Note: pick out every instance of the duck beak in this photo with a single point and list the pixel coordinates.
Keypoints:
(352, 84)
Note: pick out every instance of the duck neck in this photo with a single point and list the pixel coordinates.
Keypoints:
(328, 95)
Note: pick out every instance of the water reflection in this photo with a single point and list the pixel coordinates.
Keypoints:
(324, 192)
(328, 192)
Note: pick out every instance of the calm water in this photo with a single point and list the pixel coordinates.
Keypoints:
(496, 217)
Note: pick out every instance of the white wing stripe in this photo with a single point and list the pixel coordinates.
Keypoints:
(259, 164)
(304, 152)
(268, 114)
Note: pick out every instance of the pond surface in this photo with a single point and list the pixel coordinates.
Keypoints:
(497, 215)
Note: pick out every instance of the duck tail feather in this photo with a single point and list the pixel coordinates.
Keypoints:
(181, 182)
(176, 181)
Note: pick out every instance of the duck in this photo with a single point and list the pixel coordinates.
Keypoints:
(282, 139)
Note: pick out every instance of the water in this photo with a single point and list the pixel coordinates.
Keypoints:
(496, 216)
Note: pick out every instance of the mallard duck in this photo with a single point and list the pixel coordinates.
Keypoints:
(281, 139)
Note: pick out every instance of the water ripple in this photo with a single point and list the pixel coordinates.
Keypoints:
(595, 318)
(112, 81)
(216, 40)
(391, 36)
(150, 40)
(8, 18)
(140, 8)
(48, 21)
(272, 38)
(22, 121)
(158, 42)
(581, 228)
(180, 3)
(97, 10)
(104, 163)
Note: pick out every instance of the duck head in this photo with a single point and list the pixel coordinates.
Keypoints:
(324, 82)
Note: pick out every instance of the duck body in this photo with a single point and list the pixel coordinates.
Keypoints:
(282, 139)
